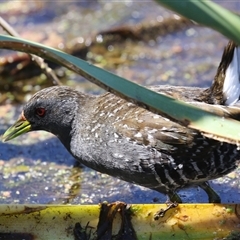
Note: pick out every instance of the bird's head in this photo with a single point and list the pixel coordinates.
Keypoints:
(52, 109)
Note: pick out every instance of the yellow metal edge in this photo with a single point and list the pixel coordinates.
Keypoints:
(186, 221)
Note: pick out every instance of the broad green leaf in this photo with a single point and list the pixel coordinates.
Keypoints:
(214, 126)
(209, 14)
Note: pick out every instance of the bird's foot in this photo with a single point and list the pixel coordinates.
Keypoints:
(213, 197)
(161, 213)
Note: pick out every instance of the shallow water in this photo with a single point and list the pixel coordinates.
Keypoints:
(36, 168)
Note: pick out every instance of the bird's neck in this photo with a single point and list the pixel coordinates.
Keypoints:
(64, 137)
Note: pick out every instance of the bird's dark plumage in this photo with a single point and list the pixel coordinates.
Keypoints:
(118, 138)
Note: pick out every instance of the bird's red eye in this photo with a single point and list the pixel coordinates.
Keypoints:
(40, 112)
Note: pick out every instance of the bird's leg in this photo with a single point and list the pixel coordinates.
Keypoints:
(174, 198)
(212, 195)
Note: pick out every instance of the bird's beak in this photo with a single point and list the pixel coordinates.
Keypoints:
(18, 128)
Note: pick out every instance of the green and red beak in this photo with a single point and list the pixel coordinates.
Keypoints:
(20, 127)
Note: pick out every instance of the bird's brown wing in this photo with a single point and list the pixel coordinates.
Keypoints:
(153, 130)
